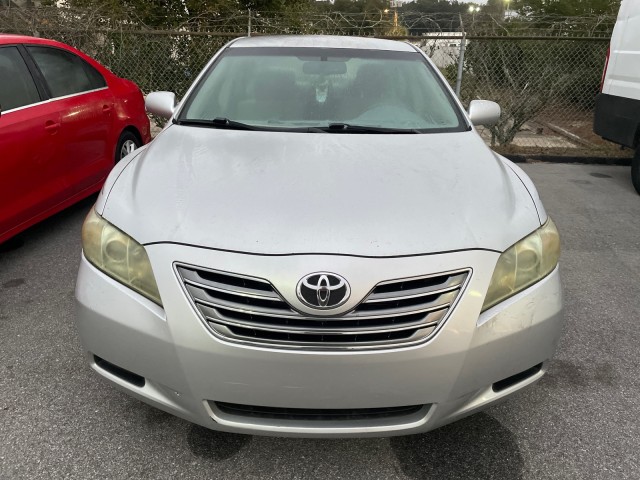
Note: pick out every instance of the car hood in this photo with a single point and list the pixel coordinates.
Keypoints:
(286, 193)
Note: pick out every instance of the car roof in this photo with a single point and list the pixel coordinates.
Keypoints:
(322, 41)
(11, 38)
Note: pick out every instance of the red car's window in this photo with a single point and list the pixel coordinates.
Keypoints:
(18, 88)
(64, 72)
(96, 79)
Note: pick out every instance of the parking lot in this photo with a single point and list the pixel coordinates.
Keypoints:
(60, 420)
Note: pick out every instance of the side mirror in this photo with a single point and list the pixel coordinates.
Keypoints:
(162, 104)
(484, 112)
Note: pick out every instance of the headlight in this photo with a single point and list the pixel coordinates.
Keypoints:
(525, 263)
(119, 256)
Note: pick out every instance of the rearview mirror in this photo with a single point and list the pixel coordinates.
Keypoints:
(324, 68)
(162, 104)
(484, 112)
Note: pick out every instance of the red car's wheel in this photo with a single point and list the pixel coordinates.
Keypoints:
(127, 143)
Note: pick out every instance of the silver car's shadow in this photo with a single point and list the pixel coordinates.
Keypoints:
(478, 447)
(218, 446)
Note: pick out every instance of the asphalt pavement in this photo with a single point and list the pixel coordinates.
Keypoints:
(582, 421)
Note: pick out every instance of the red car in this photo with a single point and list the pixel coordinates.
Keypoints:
(64, 121)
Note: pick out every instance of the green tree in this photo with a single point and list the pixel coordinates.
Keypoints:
(567, 8)
(358, 6)
(425, 16)
(171, 13)
(435, 6)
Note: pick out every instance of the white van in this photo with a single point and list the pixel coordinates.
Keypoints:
(617, 115)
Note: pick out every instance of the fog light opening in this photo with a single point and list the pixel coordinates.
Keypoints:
(517, 378)
(119, 372)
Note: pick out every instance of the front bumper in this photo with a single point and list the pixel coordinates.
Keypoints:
(186, 368)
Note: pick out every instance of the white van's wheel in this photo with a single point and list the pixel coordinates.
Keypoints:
(635, 171)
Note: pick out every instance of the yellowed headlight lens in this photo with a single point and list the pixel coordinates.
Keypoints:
(119, 256)
(525, 263)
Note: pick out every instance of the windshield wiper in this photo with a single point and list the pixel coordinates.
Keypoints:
(218, 122)
(349, 128)
(225, 123)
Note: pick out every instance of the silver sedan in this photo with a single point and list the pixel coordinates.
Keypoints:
(319, 243)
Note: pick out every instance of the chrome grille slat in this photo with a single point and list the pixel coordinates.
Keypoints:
(250, 310)
(321, 330)
(276, 314)
(418, 292)
(270, 313)
(266, 290)
(290, 342)
(442, 301)
(318, 331)
(202, 296)
(207, 286)
(355, 323)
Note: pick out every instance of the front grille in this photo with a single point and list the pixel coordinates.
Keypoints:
(395, 313)
(316, 414)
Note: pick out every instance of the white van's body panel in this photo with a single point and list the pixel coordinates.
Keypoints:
(617, 110)
(622, 77)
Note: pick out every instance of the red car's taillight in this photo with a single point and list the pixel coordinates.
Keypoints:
(604, 72)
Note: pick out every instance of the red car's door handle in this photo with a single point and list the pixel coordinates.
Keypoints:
(106, 109)
(51, 127)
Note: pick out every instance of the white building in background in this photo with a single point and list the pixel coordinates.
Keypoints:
(442, 51)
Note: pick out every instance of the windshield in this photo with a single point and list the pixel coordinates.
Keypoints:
(338, 89)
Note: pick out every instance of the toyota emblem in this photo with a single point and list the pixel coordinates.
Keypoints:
(323, 290)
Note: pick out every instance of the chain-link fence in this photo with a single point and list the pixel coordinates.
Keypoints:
(544, 72)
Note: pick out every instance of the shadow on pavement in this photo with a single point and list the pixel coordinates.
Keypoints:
(214, 445)
(12, 244)
(478, 447)
(564, 373)
(50, 227)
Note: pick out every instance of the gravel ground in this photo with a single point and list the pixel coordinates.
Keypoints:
(59, 420)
